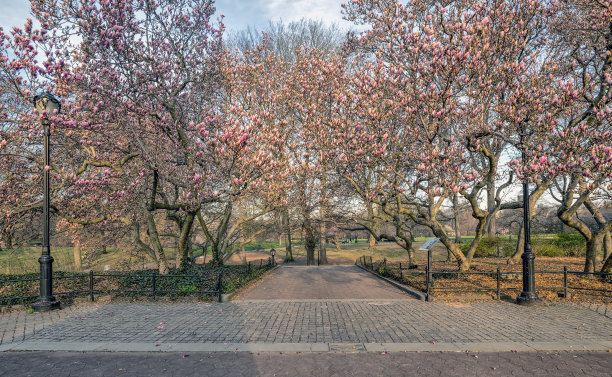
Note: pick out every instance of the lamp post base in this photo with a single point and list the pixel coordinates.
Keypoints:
(46, 305)
(526, 298)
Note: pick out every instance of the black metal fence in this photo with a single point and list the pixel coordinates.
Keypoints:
(136, 284)
(430, 281)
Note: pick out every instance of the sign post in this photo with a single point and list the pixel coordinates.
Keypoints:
(427, 247)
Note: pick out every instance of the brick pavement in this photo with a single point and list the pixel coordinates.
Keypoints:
(16, 325)
(310, 324)
(324, 321)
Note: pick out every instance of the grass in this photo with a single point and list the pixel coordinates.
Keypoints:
(25, 260)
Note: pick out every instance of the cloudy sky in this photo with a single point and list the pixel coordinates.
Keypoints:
(238, 13)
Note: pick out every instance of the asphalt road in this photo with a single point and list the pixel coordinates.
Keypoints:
(91, 364)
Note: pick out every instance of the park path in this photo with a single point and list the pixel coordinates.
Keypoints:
(318, 283)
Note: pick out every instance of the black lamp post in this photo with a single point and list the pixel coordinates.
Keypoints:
(46, 104)
(528, 295)
(273, 253)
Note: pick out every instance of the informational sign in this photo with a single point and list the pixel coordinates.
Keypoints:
(429, 243)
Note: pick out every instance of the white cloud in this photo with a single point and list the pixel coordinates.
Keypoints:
(328, 11)
(14, 13)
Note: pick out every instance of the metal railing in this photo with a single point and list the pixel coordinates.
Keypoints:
(432, 276)
(150, 284)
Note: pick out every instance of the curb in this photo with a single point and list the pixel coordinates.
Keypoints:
(592, 346)
(412, 292)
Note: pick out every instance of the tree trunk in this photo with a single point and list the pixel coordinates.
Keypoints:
(309, 242)
(336, 243)
(371, 242)
(323, 245)
(607, 267)
(8, 240)
(491, 229)
(520, 243)
(607, 247)
(463, 263)
(374, 226)
(592, 246)
(182, 255)
(597, 242)
(287, 224)
(323, 233)
(411, 257)
(455, 223)
(280, 227)
(160, 256)
(77, 255)
(323, 224)
(520, 246)
(603, 224)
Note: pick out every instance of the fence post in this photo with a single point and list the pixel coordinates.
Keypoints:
(498, 283)
(154, 288)
(385, 262)
(564, 281)
(427, 283)
(220, 285)
(401, 272)
(91, 286)
(249, 268)
(371, 264)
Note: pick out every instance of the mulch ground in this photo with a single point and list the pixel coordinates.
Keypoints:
(549, 279)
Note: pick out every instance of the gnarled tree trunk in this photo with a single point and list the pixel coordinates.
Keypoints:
(287, 228)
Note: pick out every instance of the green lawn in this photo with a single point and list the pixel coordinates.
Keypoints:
(25, 260)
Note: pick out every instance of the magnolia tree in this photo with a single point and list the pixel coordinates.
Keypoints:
(579, 148)
(141, 78)
(302, 86)
(440, 65)
(29, 65)
(146, 126)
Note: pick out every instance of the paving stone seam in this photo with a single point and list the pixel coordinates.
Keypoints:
(309, 347)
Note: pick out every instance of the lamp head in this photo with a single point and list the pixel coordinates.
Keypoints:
(47, 103)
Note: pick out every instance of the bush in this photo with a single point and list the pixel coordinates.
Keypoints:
(570, 244)
(384, 271)
(546, 248)
(487, 247)
(573, 243)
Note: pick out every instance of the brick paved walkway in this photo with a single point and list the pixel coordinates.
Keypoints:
(313, 322)
(323, 322)
(324, 282)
